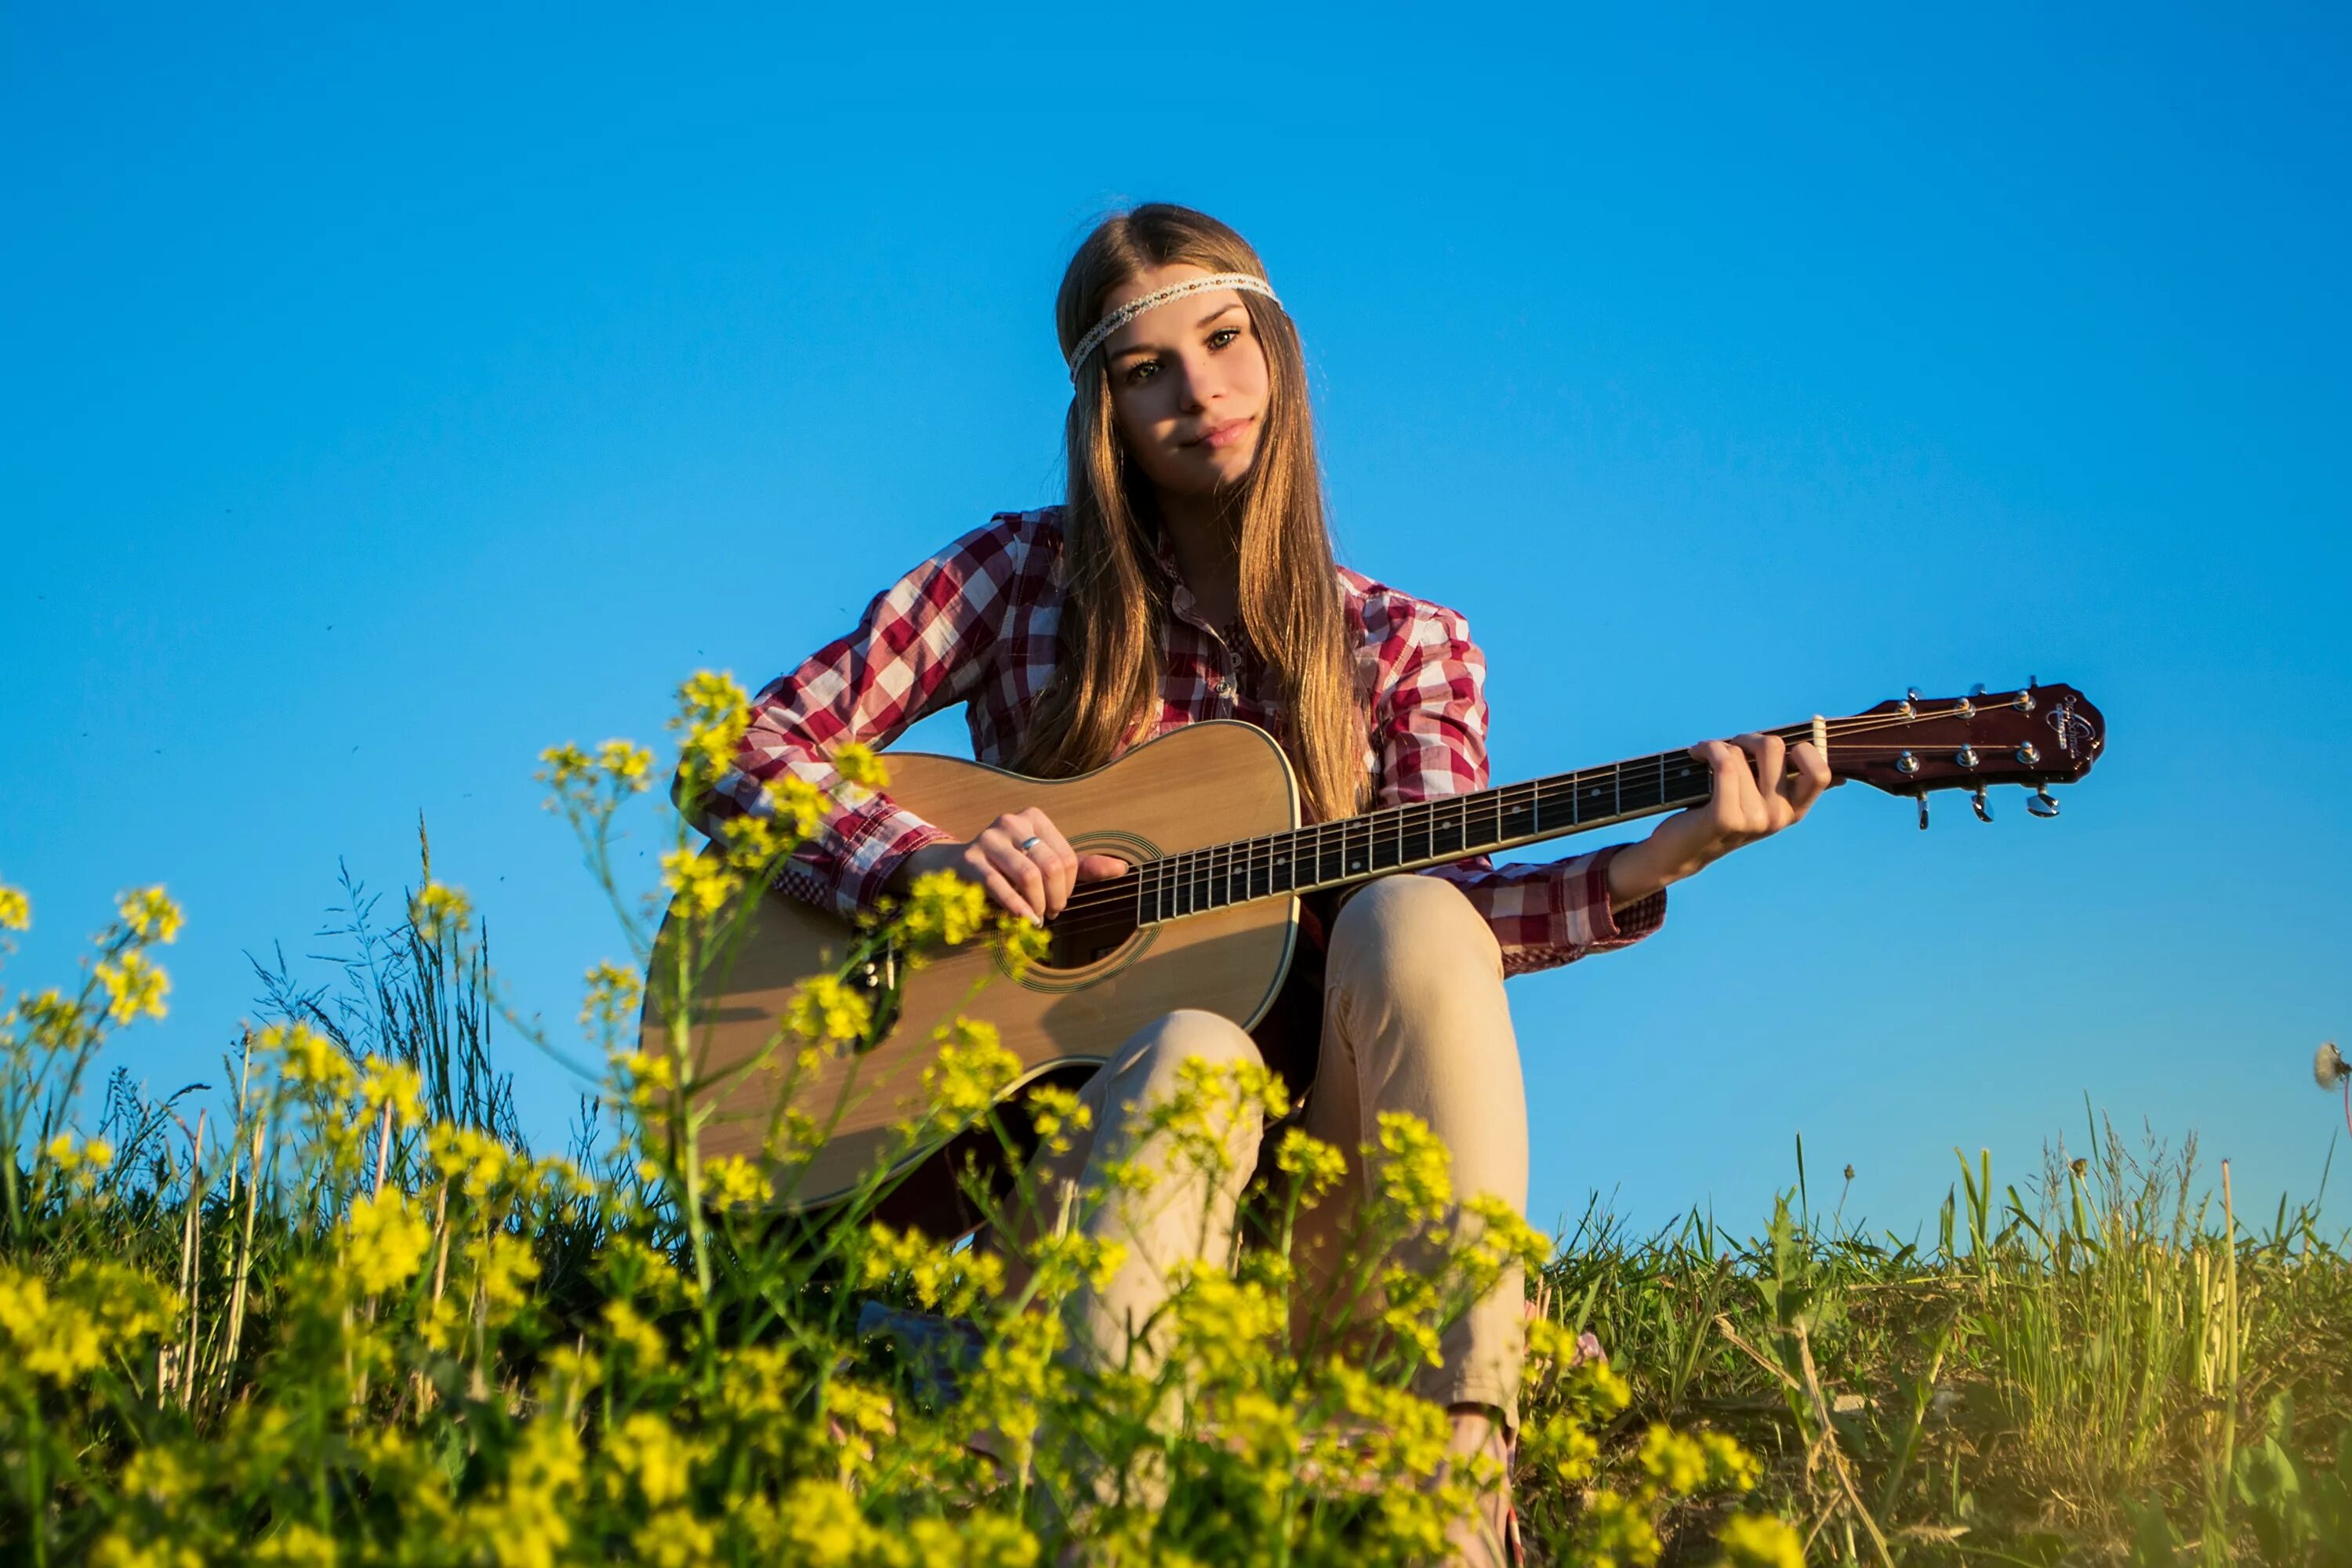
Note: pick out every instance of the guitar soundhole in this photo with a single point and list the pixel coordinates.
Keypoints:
(1083, 935)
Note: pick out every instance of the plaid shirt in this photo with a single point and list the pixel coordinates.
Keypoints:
(975, 624)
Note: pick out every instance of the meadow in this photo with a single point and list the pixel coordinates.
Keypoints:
(345, 1314)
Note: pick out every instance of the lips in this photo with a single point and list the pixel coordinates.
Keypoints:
(1225, 435)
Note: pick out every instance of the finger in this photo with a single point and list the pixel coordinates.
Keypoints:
(1015, 868)
(1054, 853)
(1735, 804)
(1813, 775)
(978, 867)
(1100, 867)
(1769, 755)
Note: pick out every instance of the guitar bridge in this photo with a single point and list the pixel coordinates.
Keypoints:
(878, 978)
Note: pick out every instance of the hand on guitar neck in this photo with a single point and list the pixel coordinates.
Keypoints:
(1034, 883)
(1762, 784)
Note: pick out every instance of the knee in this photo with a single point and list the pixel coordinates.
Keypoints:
(1416, 931)
(1153, 1063)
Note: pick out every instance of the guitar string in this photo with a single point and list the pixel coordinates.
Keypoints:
(1196, 878)
(1199, 872)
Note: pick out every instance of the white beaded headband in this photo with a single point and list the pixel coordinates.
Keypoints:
(1245, 282)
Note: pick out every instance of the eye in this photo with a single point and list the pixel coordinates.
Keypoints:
(1222, 336)
(1141, 371)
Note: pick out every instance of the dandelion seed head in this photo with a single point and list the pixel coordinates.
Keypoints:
(2328, 1066)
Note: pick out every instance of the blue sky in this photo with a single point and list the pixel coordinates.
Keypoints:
(391, 397)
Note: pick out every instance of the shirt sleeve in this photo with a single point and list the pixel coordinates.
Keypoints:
(1429, 738)
(923, 644)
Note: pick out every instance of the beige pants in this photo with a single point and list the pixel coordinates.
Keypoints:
(1413, 1020)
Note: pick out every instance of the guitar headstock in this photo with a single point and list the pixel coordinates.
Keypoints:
(2036, 736)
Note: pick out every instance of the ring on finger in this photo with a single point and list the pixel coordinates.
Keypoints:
(1030, 843)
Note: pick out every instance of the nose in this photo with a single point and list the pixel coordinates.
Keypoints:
(1198, 385)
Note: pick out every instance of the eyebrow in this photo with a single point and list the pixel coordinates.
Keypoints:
(1153, 348)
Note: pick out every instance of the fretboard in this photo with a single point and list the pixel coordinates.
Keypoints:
(1407, 837)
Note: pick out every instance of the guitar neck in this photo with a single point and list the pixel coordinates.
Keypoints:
(1425, 832)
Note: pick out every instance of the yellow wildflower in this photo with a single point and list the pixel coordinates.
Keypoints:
(58, 1024)
(566, 765)
(1319, 1167)
(1729, 1467)
(1416, 1177)
(15, 909)
(821, 1518)
(505, 1266)
(627, 765)
(50, 1339)
(298, 1545)
(1759, 1541)
(308, 1056)
(467, 1157)
(613, 993)
(1051, 1111)
(388, 1240)
(526, 1522)
(135, 986)
(858, 766)
(1595, 1393)
(730, 1181)
(440, 909)
(1675, 1464)
(973, 1069)
(798, 806)
(753, 842)
(674, 1537)
(646, 1450)
(1616, 1533)
(1560, 1447)
(630, 1331)
(61, 1334)
(149, 913)
(828, 1011)
(712, 715)
(702, 881)
(942, 907)
(117, 1549)
(98, 1153)
(395, 1084)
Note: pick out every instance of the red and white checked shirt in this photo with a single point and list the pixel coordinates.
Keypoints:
(975, 624)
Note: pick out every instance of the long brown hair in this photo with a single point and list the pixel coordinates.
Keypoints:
(1114, 613)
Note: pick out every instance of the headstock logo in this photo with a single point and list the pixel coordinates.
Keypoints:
(2077, 735)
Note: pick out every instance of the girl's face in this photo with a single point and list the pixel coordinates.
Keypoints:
(1188, 384)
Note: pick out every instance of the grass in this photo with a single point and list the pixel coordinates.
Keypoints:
(345, 1315)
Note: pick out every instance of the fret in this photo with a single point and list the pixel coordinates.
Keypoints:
(1261, 867)
(1330, 851)
(1595, 796)
(1509, 812)
(1384, 841)
(1443, 836)
(1284, 877)
(1417, 838)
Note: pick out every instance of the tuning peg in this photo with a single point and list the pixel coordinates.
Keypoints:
(1911, 694)
(1978, 690)
(2042, 804)
(1923, 811)
(1984, 811)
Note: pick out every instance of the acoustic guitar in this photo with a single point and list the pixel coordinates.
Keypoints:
(1207, 817)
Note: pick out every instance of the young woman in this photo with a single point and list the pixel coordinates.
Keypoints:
(1189, 575)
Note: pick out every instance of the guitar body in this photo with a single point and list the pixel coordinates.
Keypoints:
(1207, 816)
(1203, 784)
